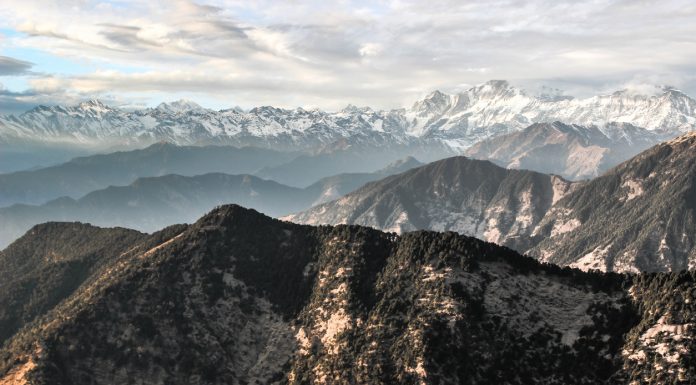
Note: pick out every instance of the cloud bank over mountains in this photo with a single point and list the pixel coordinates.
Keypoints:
(312, 54)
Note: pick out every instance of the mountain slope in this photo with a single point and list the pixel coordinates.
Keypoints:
(332, 187)
(639, 216)
(644, 219)
(468, 196)
(572, 151)
(240, 298)
(50, 262)
(83, 175)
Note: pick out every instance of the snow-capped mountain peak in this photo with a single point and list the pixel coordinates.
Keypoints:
(434, 104)
(493, 88)
(179, 106)
(94, 105)
(353, 109)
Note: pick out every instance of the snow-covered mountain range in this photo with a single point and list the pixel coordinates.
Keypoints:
(457, 121)
(496, 108)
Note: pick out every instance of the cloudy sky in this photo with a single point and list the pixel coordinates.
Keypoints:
(327, 54)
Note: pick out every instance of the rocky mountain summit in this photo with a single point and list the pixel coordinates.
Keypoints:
(238, 297)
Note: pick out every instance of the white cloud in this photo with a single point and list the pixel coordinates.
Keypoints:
(328, 54)
(370, 49)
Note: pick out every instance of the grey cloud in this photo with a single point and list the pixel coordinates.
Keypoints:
(11, 66)
(33, 32)
(125, 37)
(17, 102)
(13, 102)
(233, 29)
(219, 39)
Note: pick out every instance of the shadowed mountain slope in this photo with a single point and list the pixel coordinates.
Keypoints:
(51, 261)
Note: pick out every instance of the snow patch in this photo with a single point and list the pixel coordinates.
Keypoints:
(160, 246)
(669, 342)
(675, 331)
(633, 189)
(562, 227)
(399, 224)
(594, 260)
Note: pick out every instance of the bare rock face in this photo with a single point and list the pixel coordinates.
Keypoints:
(238, 298)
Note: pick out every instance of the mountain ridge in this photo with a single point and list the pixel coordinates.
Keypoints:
(474, 197)
(653, 193)
(240, 297)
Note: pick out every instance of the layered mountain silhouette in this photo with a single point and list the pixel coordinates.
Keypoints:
(148, 204)
(239, 297)
(636, 217)
(306, 169)
(85, 174)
